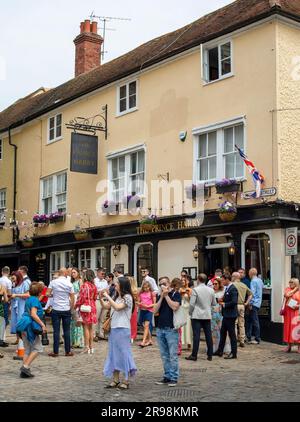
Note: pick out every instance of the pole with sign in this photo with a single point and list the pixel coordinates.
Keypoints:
(291, 241)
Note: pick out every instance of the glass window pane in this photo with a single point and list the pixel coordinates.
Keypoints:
(203, 170)
(132, 101)
(212, 174)
(51, 134)
(239, 136)
(202, 146)
(51, 123)
(212, 143)
(226, 66)
(229, 166)
(141, 161)
(114, 166)
(58, 120)
(123, 105)
(228, 140)
(132, 88)
(116, 184)
(58, 131)
(133, 163)
(121, 165)
(239, 165)
(213, 64)
(225, 51)
(123, 92)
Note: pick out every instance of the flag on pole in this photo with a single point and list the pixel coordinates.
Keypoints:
(258, 178)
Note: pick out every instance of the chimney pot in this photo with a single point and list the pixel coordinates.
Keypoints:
(87, 25)
(94, 27)
(82, 27)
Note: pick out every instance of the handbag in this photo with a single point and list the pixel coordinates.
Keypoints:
(292, 304)
(106, 326)
(86, 309)
(179, 318)
(282, 311)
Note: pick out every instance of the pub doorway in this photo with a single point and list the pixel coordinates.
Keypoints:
(143, 259)
(218, 253)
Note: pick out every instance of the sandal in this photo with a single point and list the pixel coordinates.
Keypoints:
(86, 350)
(113, 384)
(287, 349)
(123, 386)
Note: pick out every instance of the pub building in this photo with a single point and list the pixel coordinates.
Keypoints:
(172, 109)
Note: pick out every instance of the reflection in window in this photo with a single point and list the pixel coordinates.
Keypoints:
(257, 250)
(144, 260)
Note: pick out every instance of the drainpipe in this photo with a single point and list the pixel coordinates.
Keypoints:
(15, 231)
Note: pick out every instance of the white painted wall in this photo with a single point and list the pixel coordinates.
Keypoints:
(280, 267)
(175, 254)
(122, 258)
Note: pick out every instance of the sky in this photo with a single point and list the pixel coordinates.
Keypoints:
(36, 37)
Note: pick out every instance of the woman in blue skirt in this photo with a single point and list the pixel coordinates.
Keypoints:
(120, 358)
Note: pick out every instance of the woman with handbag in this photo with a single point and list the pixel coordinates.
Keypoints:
(186, 331)
(30, 327)
(290, 312)
(86, 303)
(134, 317)
(120, 358)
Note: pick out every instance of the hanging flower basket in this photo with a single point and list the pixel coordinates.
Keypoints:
(80, 234)
(27, 242)
(110, 207)
(227, 211)
(57, 217)
(228, 185)
(149, 223)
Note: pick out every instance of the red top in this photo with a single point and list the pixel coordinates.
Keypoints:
(43, 297)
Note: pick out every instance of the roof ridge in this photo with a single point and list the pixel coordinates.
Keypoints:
(275, 3)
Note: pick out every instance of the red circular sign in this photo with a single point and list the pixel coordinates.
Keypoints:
(291, 241)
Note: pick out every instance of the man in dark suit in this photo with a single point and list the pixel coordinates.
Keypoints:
(230, 314)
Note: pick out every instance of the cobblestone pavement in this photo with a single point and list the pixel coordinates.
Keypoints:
(262, 373)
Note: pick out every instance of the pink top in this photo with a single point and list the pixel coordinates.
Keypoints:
(146, 298)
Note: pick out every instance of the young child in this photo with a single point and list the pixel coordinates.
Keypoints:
(147, 299)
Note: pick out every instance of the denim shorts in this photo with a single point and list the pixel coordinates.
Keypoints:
(145, 316)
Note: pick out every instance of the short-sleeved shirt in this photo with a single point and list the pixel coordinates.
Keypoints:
(243, 291)
(61, 290)
(101, 284)
(166, 314)
(5, 282)
(121, 319)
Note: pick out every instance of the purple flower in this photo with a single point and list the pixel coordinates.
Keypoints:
(227, 207)
(226, 182)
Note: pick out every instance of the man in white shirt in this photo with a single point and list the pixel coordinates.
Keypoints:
(63, 303)
(101, 284)
(7, 284)
(150, 280)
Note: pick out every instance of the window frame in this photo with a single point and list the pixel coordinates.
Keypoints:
(205, 61)
(2, 209)
(56, 138)
(118, 97)
(54, 196)
(63, 261)
(127, 154)
(219, 128)
(1, 149)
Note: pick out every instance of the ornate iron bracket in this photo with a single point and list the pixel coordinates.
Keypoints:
(91, 124)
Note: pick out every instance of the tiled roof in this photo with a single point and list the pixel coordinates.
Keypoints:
(225, 20)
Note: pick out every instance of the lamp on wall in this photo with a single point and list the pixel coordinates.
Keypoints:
(116, 250)
(196, 252)
(232, 250)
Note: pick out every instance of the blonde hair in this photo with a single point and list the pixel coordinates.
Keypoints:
(295, 281)
(133, 284)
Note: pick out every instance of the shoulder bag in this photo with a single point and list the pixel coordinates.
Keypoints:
(86, 309)
(179, 317)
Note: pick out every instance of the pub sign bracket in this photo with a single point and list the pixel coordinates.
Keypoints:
(90, 125)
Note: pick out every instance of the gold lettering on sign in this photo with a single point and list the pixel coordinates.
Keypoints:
(178, 225)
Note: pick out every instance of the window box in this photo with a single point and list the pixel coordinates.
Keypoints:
(110, 207)
(229, 188)
(40, 220)
(57, 217)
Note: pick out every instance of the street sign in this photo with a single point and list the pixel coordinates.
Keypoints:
(291, 241)
(264, 193)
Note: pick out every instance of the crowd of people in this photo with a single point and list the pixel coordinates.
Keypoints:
(93, 307)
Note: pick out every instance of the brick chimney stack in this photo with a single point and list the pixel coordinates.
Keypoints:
(88, 48)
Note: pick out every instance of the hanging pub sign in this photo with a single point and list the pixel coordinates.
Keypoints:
(84, 153)
(291, 241)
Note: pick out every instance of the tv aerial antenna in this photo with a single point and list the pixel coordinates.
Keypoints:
(104, 20)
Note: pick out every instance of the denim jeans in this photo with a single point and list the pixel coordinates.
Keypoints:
(253, 324)
(65, 317)
(2, 328)
(6, 313)
(167, 339)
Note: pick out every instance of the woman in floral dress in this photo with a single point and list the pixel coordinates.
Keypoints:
(86, 303)
(77, 339)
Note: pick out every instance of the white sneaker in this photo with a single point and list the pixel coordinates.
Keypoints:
(91, 351)
(254, 342)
